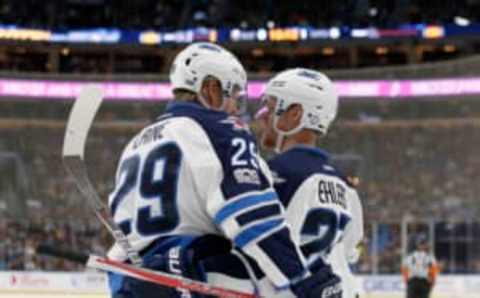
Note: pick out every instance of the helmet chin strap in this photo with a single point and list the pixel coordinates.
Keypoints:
(204, 102)
(278, 143)
(282, 134)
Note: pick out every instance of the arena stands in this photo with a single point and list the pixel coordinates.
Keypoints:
(217, 13)
(411, 169)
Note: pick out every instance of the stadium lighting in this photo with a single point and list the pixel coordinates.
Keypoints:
(262, 34)
(449, 48)
(335, 33)
(461, 21)
(258, 52)
(65, 51)
(150, 38)
(328, 51)
(235, 34)
(433, 32)
(381, 50)
(303, 33)
(360, 32)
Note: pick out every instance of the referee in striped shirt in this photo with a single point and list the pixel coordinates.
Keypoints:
(419, 271)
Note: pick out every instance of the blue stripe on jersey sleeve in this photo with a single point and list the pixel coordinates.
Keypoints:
(243, 203)
(258, 213)
(255, 231)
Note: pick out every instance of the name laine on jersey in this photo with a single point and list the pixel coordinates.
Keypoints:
(149, 135)
(331, 192)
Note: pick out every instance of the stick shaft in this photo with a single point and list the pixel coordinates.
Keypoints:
(156, 277)
(162, 278)
(79, 122)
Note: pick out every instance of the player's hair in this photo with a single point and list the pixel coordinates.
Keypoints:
(184, 95)
(187, 95)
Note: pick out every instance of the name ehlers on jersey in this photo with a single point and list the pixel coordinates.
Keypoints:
(331, 192)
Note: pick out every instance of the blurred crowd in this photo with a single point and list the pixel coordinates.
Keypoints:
(22, 237)
(49, 210)
(416, 172)
(408, 170)
(172, 14)
(428, 169)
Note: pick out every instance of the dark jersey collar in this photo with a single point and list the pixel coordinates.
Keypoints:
(314, 150)
(175, 107)
(179, 105)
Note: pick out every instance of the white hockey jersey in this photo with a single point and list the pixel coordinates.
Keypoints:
(197, 171)
(346, 251)
(323, 210)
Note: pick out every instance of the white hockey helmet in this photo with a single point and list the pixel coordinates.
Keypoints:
(309, 88)
(200, 60)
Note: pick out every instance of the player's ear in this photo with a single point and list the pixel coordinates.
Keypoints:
(211, 92)
(296, 114)
(291, 117)
(205, 90)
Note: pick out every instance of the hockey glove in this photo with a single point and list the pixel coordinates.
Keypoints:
(322, 284)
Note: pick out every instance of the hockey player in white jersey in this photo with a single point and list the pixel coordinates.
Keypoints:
(191, 184)
(321, 206)
(347, 252)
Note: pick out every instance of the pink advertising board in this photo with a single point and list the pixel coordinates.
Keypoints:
(45, 90)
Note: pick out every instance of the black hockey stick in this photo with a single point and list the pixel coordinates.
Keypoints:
(72, 256)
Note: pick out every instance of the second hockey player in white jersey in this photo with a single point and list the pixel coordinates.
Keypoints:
(322, 208)
(192, 184)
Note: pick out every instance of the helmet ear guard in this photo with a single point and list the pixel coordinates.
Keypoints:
(311, 117)
(317, 120)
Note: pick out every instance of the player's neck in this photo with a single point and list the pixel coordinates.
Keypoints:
(303, 138)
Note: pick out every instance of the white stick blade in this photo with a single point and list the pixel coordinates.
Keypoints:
(80, 120)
